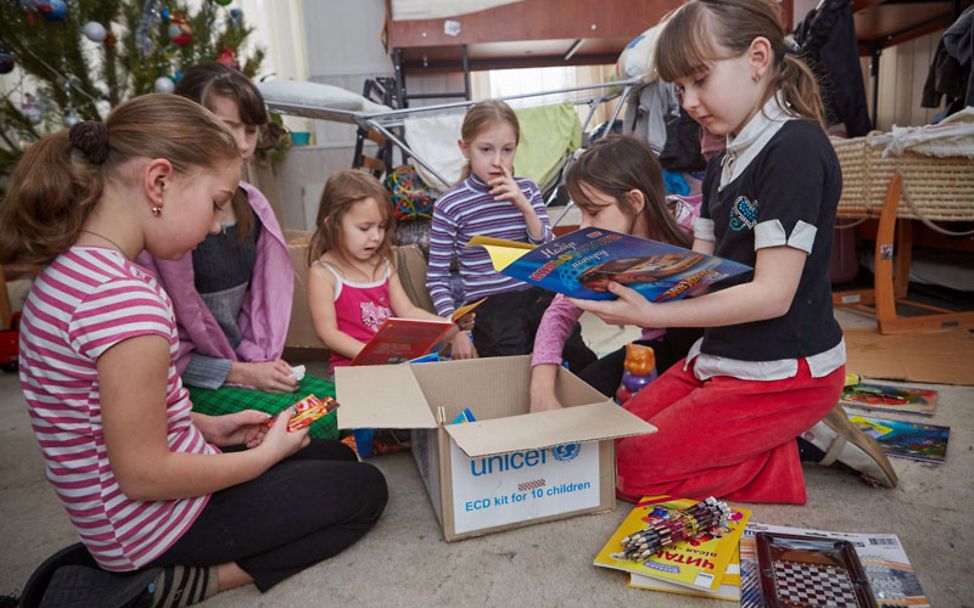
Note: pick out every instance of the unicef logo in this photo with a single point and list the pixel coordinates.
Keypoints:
(566, 452)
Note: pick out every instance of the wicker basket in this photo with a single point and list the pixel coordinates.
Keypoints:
(941, 188)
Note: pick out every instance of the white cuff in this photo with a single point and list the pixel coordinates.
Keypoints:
(803, 236)
(769, 233)
(703, 229)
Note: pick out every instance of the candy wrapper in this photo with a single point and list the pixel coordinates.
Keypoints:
(307, 411)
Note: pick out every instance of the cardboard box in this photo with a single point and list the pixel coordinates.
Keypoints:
(300, 330)
(508, 469)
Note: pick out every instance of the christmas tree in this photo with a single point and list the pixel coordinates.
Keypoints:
(84, 57)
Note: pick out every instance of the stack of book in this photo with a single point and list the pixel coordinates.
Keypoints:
(899, 438)
(723, 563)
(706, 565)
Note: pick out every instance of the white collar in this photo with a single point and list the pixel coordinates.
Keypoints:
(758, 131)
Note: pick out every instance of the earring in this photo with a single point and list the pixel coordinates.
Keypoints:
(755, 76)
(156, 211)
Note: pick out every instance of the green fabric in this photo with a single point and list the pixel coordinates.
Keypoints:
(230, 399)
(548, 135)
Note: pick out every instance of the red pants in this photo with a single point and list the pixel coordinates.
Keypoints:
(723, 437)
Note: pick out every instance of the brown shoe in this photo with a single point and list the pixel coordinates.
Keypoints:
(844, 442)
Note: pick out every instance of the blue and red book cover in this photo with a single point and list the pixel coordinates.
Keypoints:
(581, 264)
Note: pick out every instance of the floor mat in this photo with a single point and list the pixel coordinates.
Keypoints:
(939, 358)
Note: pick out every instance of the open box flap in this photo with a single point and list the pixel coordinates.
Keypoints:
(393, 402)
(582, 423)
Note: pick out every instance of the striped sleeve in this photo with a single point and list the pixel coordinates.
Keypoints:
(116, 311)
(443, 246)
(533, 193)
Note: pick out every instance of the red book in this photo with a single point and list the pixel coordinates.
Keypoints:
(400, 340)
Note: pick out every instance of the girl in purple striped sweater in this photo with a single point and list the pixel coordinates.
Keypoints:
(490, 201)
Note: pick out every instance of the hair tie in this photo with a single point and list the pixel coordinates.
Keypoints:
(90, 137)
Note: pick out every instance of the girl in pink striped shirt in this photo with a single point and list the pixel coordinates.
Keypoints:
(143, 479)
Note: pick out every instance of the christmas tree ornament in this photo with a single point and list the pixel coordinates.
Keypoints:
(95, 31)
(164, 14)
(143, 36)
(71, 119)
(223, 2)
(236, 17)
(6, 62)
(179, 31)
(32, 109)
(110, 40)
(53, 10)
(164, 84)
(228, 58)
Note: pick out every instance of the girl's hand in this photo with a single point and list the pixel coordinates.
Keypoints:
(269, 376)
(630, 309)
(462, 347)
(504, 188)
(240, 428)
(542, 400)
(279, 443)
(465, 323)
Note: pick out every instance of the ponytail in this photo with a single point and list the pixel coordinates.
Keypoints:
(52, 191)
(799, 88)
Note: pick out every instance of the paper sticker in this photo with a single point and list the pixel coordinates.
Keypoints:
(506, 488)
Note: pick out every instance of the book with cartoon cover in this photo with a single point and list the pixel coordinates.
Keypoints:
(885, 398)
(581, 264)
(399, 340)
(699, 564)
(906, 439)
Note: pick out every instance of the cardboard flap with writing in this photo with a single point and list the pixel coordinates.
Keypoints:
(394, 402)
(545, 429)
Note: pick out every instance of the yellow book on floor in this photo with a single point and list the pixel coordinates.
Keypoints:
(729, 588)
(697, 565)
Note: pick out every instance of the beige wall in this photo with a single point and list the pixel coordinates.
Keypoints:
(902, 72)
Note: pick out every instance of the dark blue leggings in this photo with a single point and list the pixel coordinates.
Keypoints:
(303, 510)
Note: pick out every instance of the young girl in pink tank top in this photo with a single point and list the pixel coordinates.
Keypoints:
(352, 284)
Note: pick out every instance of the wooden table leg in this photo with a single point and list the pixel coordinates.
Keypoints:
(904, 257)
(883, 274)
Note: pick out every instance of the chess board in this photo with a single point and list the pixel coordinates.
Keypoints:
(811, 572)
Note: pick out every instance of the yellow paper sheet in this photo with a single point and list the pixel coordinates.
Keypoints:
(501, 251)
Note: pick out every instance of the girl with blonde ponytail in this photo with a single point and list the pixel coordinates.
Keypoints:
(771, 363)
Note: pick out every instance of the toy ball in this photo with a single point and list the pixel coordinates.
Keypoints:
(409, 196)
(53, 10)
(164, 84)
(6, 62)
(95, 31)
